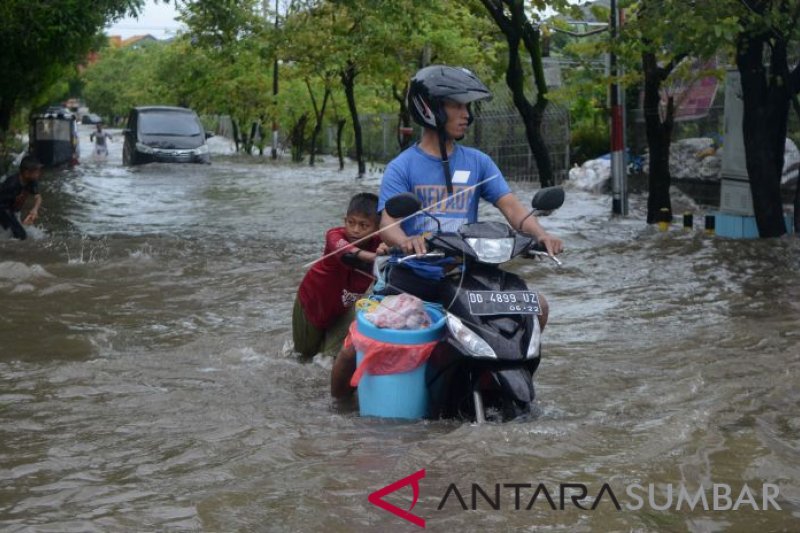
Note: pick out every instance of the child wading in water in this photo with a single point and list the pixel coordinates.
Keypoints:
(323, 309)
(99, 137)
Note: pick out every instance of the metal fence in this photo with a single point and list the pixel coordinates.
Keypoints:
(712, 125)
(498, 131)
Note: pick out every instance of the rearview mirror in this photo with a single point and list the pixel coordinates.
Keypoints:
(548, 199)
(402, 205)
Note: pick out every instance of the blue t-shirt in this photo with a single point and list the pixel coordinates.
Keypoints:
(418, 172)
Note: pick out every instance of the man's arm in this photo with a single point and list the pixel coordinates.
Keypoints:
(515, 212)
(33, 214)
(393, 235)
(369, 257)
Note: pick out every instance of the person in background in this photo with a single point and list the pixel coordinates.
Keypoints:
(99, 137)
(14, 192)
(323, 309)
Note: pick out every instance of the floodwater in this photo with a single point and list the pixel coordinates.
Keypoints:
(147, 383)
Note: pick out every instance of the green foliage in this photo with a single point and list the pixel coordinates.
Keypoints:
(42, 41)
(588, 140)
(224, 63)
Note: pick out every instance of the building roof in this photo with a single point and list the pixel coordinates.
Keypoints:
(137, 40)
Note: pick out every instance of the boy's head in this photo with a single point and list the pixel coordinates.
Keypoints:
(30, 169)
(362, 216)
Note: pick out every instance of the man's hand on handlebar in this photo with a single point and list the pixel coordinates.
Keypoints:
(553, 245)
(414, 245)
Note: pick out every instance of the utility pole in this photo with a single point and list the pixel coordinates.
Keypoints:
(275, 92)
(619, 185)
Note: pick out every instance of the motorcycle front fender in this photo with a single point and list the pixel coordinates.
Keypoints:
(516, 390)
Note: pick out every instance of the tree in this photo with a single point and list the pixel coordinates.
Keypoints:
(761, 32)
(512, 19)
(41, 40)
(171, 73)
(239, 43)
(769, 29)
(666, 48)
(378, 44)
(319, 114)
(347, 31)
(584, 90)
(660, 45)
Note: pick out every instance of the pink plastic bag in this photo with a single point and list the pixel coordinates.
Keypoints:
(403, 311)
(380, 358)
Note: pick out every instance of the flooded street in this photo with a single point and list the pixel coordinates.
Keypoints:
(147, 381)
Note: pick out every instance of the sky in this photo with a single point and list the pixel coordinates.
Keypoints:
(155, 19)
(159, 21)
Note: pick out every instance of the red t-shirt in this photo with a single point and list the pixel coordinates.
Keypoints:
(330, 286)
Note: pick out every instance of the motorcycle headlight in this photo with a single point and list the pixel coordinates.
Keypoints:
(535, 343)
(144, 149)
(468, 339)
(492, 251)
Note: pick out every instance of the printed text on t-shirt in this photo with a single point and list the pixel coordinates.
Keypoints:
(458, 202)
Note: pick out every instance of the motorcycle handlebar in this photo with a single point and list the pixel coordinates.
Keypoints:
(539, 250)
(538, 247)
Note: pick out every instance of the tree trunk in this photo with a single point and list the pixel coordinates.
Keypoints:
(235, 133)
(298, 137)
(6, 110)
(252, 137)
(348, 81)
(274, 150)
(319, 114)
(516, 27)
(659, 138)
(340, 123)
(531, 37)
(5, 123)
(794, 87)
(766, 111)
(797, 205)
(261, 136)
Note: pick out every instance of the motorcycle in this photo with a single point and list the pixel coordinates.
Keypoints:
(492, 348)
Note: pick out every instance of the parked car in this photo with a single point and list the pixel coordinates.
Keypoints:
(91, 118)
(164, 134)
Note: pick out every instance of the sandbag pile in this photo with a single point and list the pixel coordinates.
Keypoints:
(593, 176)
(695, 158)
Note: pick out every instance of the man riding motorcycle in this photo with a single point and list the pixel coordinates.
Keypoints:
(449, 179)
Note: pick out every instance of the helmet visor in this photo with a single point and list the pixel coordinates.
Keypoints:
(466, 97)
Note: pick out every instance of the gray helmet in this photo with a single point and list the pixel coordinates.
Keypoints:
(431, 85)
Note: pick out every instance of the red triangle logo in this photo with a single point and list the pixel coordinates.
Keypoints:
(376, 498)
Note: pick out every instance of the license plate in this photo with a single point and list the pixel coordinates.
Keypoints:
(503, 303)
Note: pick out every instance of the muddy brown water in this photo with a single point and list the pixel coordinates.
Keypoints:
(146, 382)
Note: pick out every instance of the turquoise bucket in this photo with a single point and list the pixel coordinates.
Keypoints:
(401, 395)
